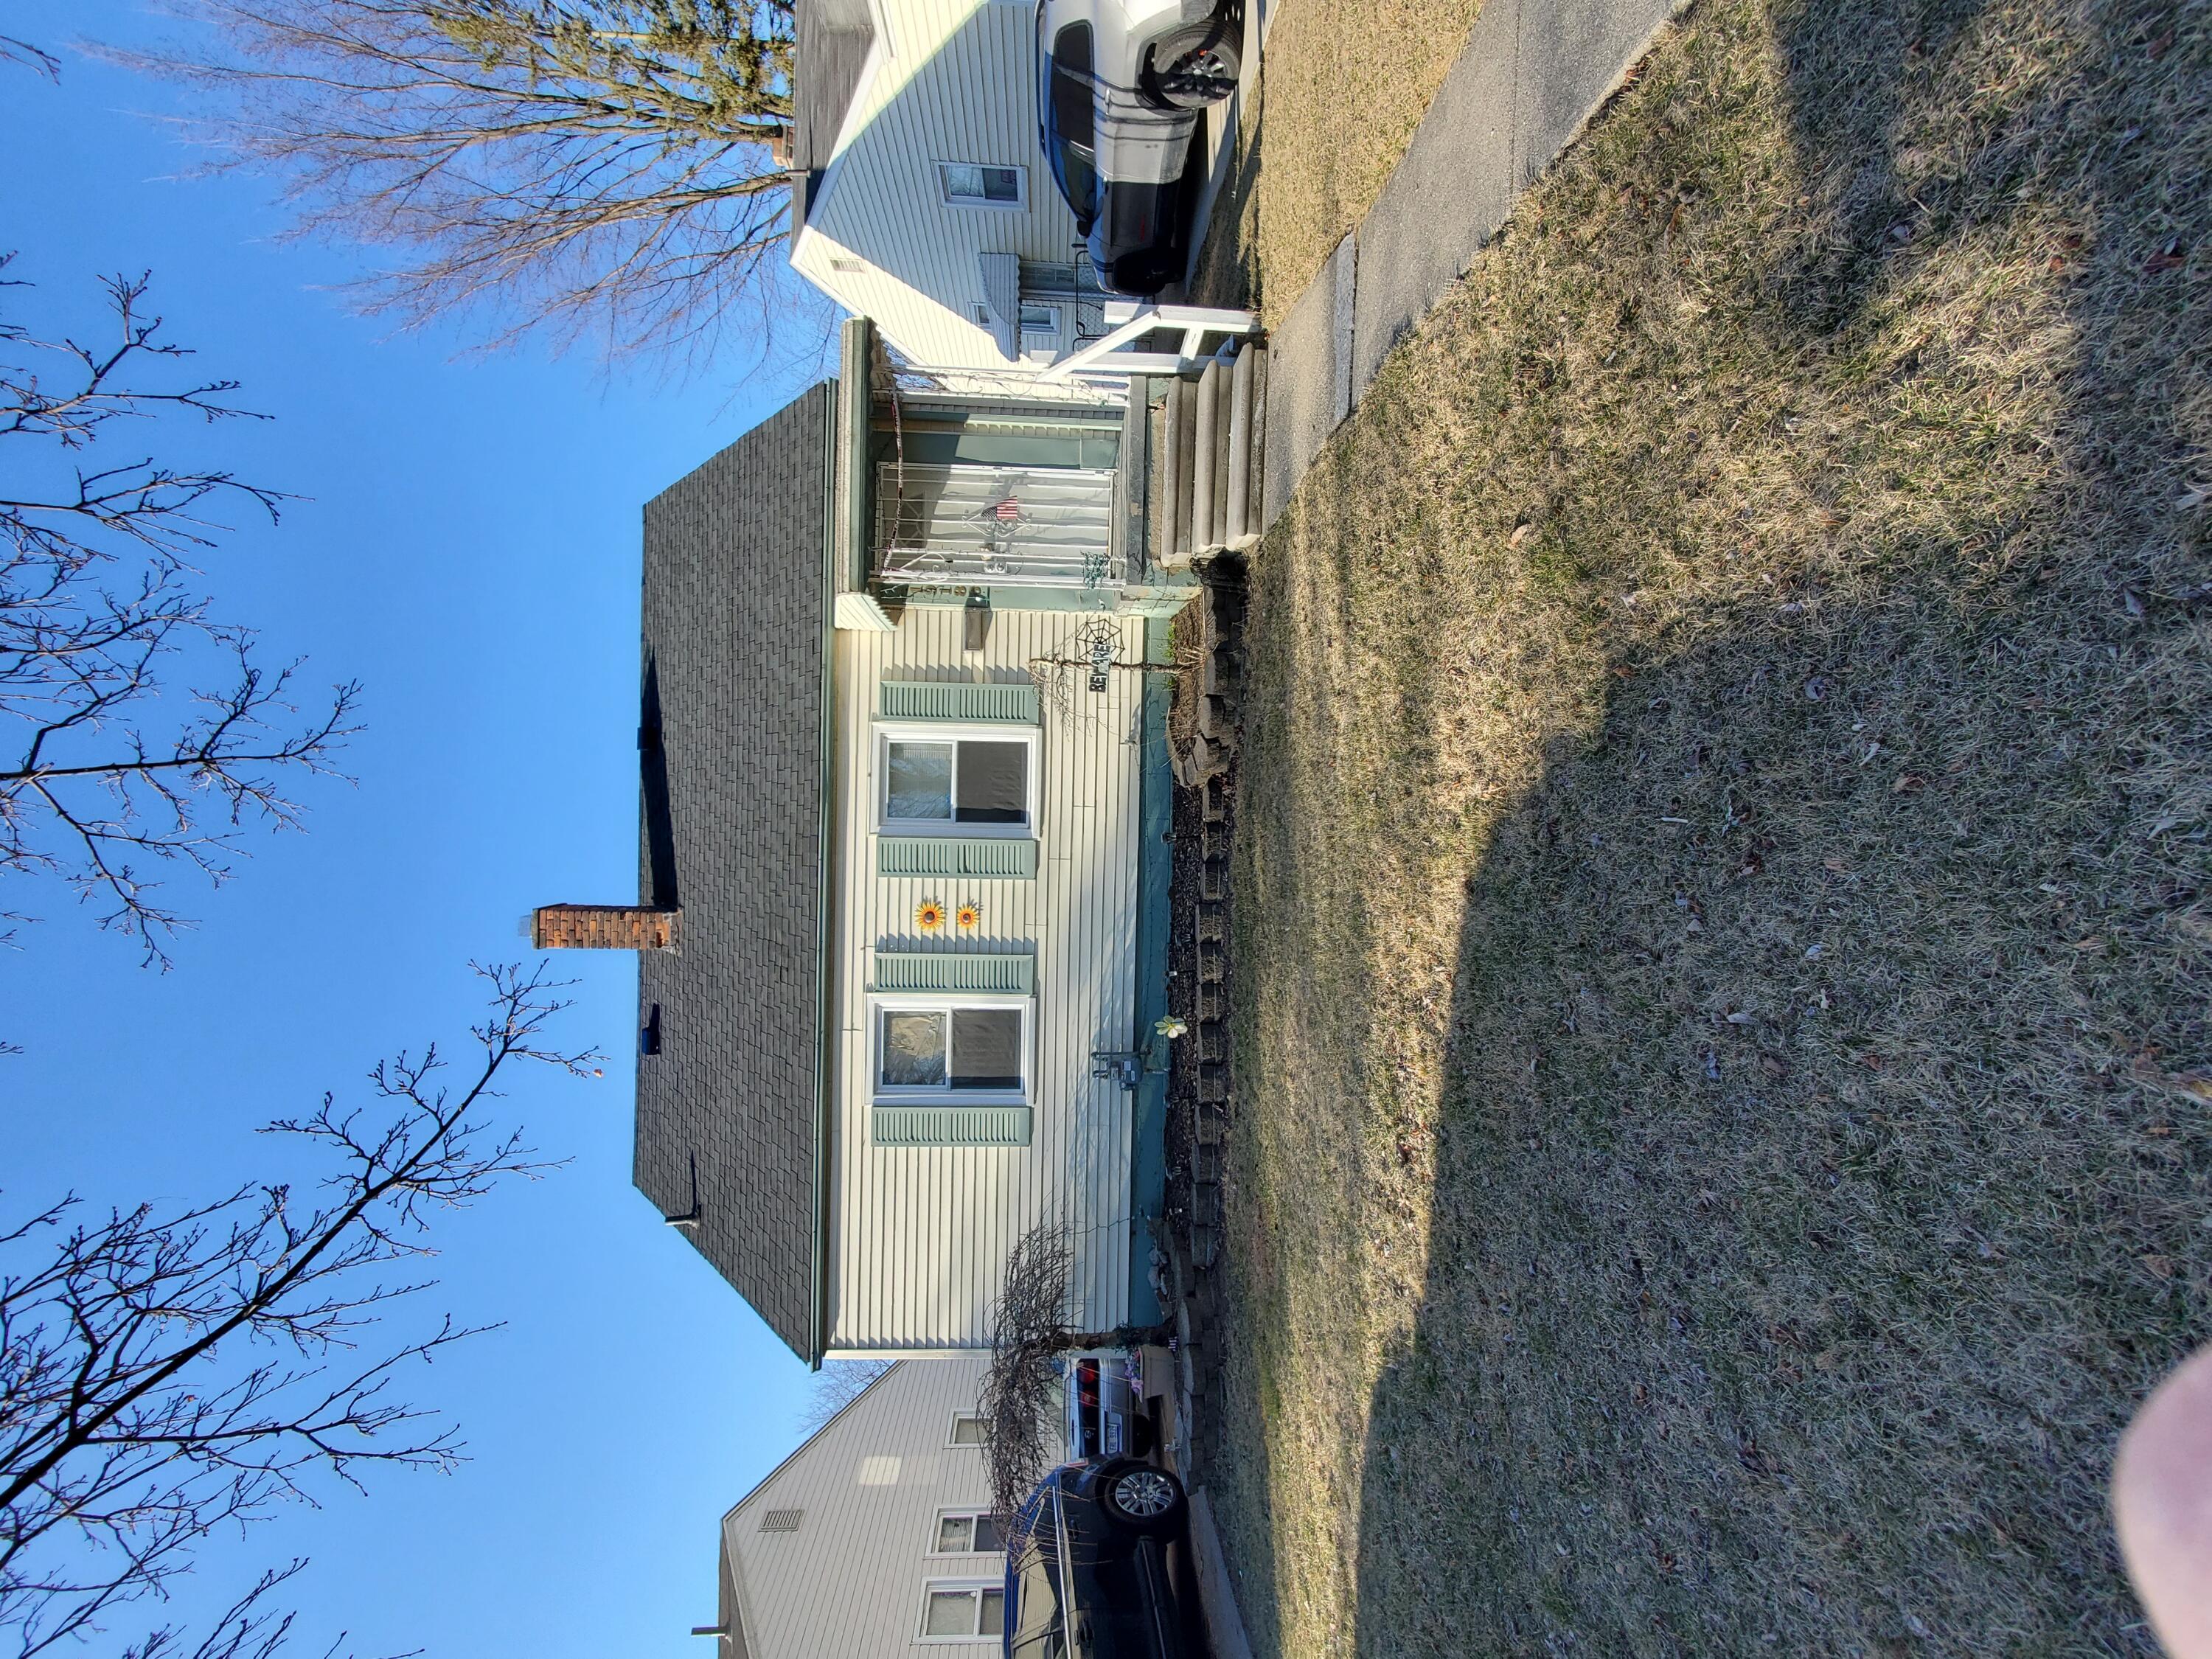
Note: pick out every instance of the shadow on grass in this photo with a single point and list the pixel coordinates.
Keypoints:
(1816, 1177)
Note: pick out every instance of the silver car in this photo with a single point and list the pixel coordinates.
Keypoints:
(1120, 84)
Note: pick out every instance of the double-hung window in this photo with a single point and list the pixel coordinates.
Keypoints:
(980, 184)
(954, 1611)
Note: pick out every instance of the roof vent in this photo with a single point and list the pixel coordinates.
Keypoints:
(782, 1520)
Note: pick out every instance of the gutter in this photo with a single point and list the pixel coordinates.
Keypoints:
(818, 1324)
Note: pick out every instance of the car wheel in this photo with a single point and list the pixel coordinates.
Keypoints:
(1195, 67)
(1142, 1499)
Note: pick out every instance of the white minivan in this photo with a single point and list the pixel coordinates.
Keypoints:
(1120, 84)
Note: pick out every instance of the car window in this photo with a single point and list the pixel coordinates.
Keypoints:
(1071, 85)
(1037, 1625)
(1069, 132)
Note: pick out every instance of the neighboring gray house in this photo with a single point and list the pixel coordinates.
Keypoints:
(875, 1537)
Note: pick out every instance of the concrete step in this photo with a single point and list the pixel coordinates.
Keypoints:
(1210, 455)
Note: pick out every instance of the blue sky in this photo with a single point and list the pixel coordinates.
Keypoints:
(469, 549)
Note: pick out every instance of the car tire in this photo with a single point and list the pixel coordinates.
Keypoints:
(1195, 67)
(1142, 1499)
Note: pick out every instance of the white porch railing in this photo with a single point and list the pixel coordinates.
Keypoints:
(1115, 352)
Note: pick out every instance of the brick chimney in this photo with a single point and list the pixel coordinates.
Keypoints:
(604, 927)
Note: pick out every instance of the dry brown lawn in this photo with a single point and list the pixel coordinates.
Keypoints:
(1724, 929)
(1343, 84)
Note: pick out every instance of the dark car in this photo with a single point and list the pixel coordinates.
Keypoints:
(1093, 1567)
(1120, 87)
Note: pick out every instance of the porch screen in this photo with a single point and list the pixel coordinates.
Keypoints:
(959, 526)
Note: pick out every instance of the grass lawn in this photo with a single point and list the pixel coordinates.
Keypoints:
(1343, 84)
(1723, 923)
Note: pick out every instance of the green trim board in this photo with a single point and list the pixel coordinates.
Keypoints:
(1009, 858)
(949, 1125)
(957, 700)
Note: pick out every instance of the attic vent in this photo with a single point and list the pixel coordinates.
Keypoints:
(782, 1520)
(847, 264)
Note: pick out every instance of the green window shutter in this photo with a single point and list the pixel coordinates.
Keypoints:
(956, 700)
(1007, 858)
(950, 1126)
(945, 970)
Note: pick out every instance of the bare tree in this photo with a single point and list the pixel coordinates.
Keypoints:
(167, 1373)
(837, 1385)
(1030, 1331)
(594, 166)
(98, 596)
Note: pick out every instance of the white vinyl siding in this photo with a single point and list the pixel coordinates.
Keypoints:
(920, 1232)
(850, 1580)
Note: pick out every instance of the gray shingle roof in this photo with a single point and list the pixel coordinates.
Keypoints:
(736, 612)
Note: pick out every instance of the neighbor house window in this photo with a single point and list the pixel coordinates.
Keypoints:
(934, 1052)
(1041, 320)
(956, 1612)
(937, 783)
(975, 183)
(967, 1531)
(967, 1430)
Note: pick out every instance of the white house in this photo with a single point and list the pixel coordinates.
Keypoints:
(875, 1537)
(920, 197)
(902, 929)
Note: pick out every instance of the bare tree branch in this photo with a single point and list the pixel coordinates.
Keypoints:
(1030, 1331)
(23, 54)
(602, 168)
(96, 598)
(167, 1373)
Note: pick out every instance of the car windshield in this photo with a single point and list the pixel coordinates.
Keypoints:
(1065, 116)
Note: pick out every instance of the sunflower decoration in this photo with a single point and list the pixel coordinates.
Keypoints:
(968, 917)
(929, 915)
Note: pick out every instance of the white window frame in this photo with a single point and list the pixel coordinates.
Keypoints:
(956, 732)
(945, 1002)
(939, 1586)
(1019, 204)
(952, 1427)
(969, 1513)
